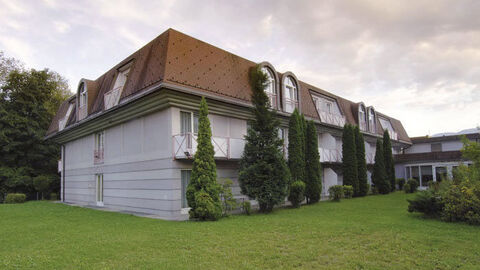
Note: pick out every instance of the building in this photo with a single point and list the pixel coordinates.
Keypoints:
(128, 137)
(433, 158)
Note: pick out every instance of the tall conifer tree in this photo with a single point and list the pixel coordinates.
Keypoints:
(203, 192)
(379, 175)
(389, 165)
(361, 163)
(349, 158)
(296, 147)
(264, 174)
(313, 180)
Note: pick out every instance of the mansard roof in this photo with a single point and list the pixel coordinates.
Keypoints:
(179, 59)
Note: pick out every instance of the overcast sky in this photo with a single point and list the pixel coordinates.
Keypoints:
(417, 61)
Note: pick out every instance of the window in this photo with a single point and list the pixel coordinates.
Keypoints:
(83, 95)
(112, 97)
(362, 118)
(99, 144)
(63, 122)
(371, 120)
(328, 110)
(436, 147)
(427, 175)
(440, 173)
(99, 189)
(283, 134)
(186, 174)
(290, 92)
(188, 123)
(270, 89)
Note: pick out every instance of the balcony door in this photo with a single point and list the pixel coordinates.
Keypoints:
(99, 189)
(188, 127)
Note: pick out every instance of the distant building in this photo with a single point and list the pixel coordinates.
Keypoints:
(433, 158)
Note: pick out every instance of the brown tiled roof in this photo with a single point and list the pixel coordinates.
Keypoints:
(183, 60)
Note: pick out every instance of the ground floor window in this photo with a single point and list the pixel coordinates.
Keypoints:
(440, 173)
(427, 175)
(99, 189)
(186, 174)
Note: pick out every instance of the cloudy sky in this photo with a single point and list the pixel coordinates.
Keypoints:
(417, 61)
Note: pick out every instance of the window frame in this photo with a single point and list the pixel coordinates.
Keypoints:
(99, 189)
(184, 186)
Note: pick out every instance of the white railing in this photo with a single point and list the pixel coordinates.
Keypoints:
(82, 112)
(185, 146)
(362, 125)
(393, 135)
(331, 118)
(290, 105)
(111, 97)
(370, 158)
(273, 100)
(62, 123)
(330, 155)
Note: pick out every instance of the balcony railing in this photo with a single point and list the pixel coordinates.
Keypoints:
(62, 123)
(290, 105)
(330, 155)
(111, 97)
(393, 135)
(331, 118)
(362, 125)
(370, 157)
(98, 156)
(185, 146)
(273, 99)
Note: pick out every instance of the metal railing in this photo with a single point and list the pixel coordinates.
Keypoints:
(185, 146)
(363, 125)
(111, 97)
(393, 135)
(98, 156)
(330, 155)
(273, 100)
(370, 158)
(331, 118)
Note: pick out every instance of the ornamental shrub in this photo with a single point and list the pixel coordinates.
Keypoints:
(389, 164)
(361, 163)
(411, 186)
(15, 198)
(348, 192)
(313, 178)
(427, 202)
(42, 184)
(349, 158)
(206, 208)
(296, 147)
(400, 183)
(379, 175)
(226, 196)
(53, 196)
(336, 192)
(297, 193)
(247, 207)
(462, 202)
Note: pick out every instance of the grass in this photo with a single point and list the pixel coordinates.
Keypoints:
(374, 232)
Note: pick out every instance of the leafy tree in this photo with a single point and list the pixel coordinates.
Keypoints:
(28, 102)
(349, 159)
(203, 190)
(389, 165)
(313, 180)
(361, 163)
(264, 174)
(296, 147)
(7, 65)
(42, 183)
(379, 175)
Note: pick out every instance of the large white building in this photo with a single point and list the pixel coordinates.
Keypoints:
(128, 137)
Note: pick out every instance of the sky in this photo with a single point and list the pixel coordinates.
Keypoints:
(417, 61)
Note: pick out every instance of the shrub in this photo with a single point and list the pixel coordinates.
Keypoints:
(462, 202)
(427, 202)
(349, 158)
(400, 183)
(247, 207)
(297, 193)
(348, 192)
(15, 198)
(411, 186)
(228, 201)
(336, 192)
(206, 207)
(53, 196)
(42, 183)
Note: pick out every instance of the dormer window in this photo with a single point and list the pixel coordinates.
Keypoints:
(63, 122)
(328, 110)
(83, 95)
(290, 92)
(82, 100)
(386, 125)
(371, 120)
(112, 97)
(270, 88)
(362, 118)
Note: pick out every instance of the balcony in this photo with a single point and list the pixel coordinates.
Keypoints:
(290, 105)
(330, 155)
(393, 135)
(185, 146)
(273, 100)
(363, 125)
(111, 97)
(332, 119)
(98, 156)
(370, 158)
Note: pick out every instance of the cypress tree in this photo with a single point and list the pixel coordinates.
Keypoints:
(389, 165)
(313, 180)
(264, 174)
(296, 147)
(203, 190)
(361, 163)
(379, 175)
(349, 159)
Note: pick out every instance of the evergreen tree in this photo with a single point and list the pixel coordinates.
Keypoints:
(203, 190)
(296, 146)
(263, 173)
(389, 165)
(349, 159)
(361, 163)
(313, 180)
(379, 175)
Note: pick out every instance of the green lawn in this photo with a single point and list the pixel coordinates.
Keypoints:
(374, 232)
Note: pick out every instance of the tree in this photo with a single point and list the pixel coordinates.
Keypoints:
(203, 190)
(7, 65)
(313, 180)
(296, 147)
(349, 159)
(264, 174)
(389, 165)
(43, 183)
(28, 102)
(361, 163)
(379, 175)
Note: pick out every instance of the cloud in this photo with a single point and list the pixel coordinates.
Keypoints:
(416, 61)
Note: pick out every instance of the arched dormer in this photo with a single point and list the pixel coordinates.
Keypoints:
(290, 92)
(372, 120)
(362, 117)
(82, 100)
(273, 84)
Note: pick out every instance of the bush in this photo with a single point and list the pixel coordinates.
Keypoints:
(427, 202)
(336, 192)
(247, 207)
(462, 202)
(297, 193)
(400, 183)
(53, 196)
(206, 207)
(226, 196)
(348, 192)
(411, 186)
(42, 183)
(15, 198)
